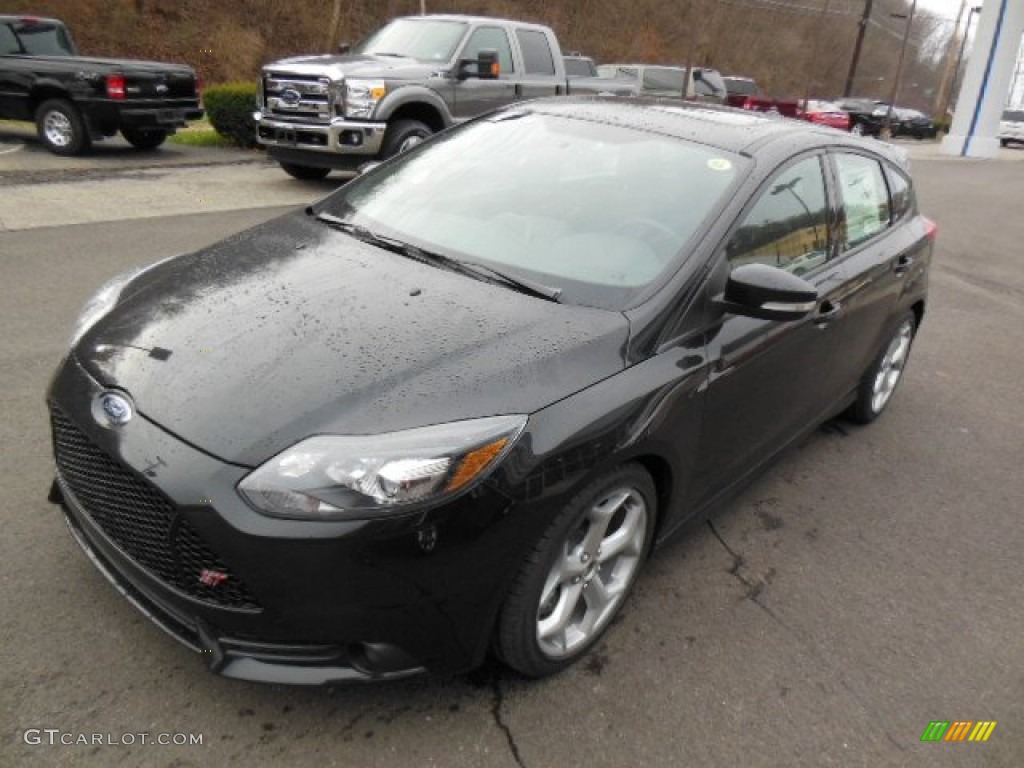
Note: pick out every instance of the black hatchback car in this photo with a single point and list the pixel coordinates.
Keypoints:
(453, 405)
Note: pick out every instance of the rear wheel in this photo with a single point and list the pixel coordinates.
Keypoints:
(61, 128)
(304, 172)
(402, 135)
(141, 138)
(885, 373)
(577, 576)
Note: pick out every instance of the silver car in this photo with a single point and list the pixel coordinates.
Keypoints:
(1011, 127)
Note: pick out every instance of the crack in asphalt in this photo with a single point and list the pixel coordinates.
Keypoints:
(754, 587)
(499, 700)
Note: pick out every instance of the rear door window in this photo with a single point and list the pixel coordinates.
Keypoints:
(537, 59)
(864, 197)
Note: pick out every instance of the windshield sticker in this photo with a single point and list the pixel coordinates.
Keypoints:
(719, 164)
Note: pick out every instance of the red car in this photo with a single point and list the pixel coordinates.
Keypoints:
(826, 113)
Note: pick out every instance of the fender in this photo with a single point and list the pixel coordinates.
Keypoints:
(414, 94)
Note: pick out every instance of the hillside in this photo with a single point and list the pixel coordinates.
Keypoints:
(787, 48)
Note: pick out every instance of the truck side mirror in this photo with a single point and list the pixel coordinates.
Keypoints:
(485, 66)
(344, 47)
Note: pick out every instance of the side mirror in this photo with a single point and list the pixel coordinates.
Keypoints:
(767, 293)
(485, 66)
(344, 47)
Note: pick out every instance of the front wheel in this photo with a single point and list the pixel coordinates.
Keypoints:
(876, 388)
(61, 128)
(141, 138)
(304, 172)
(402, 135)
(577, 576)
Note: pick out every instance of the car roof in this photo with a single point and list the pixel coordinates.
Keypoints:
(733, 130)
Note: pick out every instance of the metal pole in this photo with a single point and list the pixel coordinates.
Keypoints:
(848, 88)
(942, 99)
(894, 95)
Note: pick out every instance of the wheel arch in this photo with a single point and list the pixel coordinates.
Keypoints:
(43, 91)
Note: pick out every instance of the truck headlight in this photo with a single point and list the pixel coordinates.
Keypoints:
(339, 477)
(362, 97)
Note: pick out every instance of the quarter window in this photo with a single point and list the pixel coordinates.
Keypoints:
(537, 58)
(490, 38)
(788, 226)
(902, 195)
(864, 196)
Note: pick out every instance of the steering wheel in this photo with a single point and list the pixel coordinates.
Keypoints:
(651, 231)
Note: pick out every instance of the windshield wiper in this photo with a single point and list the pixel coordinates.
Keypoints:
(470, 268)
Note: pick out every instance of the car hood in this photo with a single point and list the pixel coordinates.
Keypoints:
(292, 329)
(354, 65)
(123, 66)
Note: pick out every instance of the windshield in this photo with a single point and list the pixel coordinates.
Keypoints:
(42, 38)
(421, 39)
(598, 211)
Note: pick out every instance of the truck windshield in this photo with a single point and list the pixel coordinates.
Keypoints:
(43, 38)
(599, 212)
(422, 39)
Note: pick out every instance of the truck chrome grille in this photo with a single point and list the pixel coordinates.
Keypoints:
(140, 520)
(297, 98)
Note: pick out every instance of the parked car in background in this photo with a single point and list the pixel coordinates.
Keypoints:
(411, 78)
(577, 65)
(76, 100)
(738, 87)
(1011, 127)
(450, 408)
(912, 122)
(866, 115)
(705, 84)
(825, 113)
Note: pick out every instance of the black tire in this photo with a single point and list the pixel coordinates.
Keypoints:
(143, 138)
(857, 129)
(61, 128)
(558, 567)
(874, 393)
(402, 135)
(304, 172)
(1004, 143)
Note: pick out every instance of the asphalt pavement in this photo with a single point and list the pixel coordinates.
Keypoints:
(866, 585)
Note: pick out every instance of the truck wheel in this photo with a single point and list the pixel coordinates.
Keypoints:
(403, 135)
(304, 171)
(144, 139)
(61, 128)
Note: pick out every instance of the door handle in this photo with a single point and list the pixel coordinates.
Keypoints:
(902, 263)
(828, 311)
(519, 90)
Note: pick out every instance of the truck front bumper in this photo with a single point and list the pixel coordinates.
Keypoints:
(339, 137)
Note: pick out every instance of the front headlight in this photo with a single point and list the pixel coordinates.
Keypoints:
(362, 97)
(101, 303)
(336, 477)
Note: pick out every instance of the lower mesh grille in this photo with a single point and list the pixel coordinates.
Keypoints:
(141, 520)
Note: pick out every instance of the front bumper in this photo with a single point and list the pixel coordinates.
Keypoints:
(339, 137)
(326, 602)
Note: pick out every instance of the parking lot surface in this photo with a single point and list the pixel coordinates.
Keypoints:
(867, 585)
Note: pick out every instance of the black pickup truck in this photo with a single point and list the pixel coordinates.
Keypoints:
(75, 100)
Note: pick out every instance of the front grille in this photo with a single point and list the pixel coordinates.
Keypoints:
(297, 98)
(140, 520)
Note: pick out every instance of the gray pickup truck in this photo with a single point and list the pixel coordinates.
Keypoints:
(411, 78)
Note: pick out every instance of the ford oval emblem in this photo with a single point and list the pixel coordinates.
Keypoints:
(112, 409)
(291, 97)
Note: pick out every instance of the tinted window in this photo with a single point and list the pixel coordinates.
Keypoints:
(579, 67)
(421, 39)
(43, 39)
(788, 226)
(864, 196)
(546, 197)
(613, 71)
(8, 42)
(663, 79)
(741, 86)
(490, 38)
(902, 194)
(536, 52)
